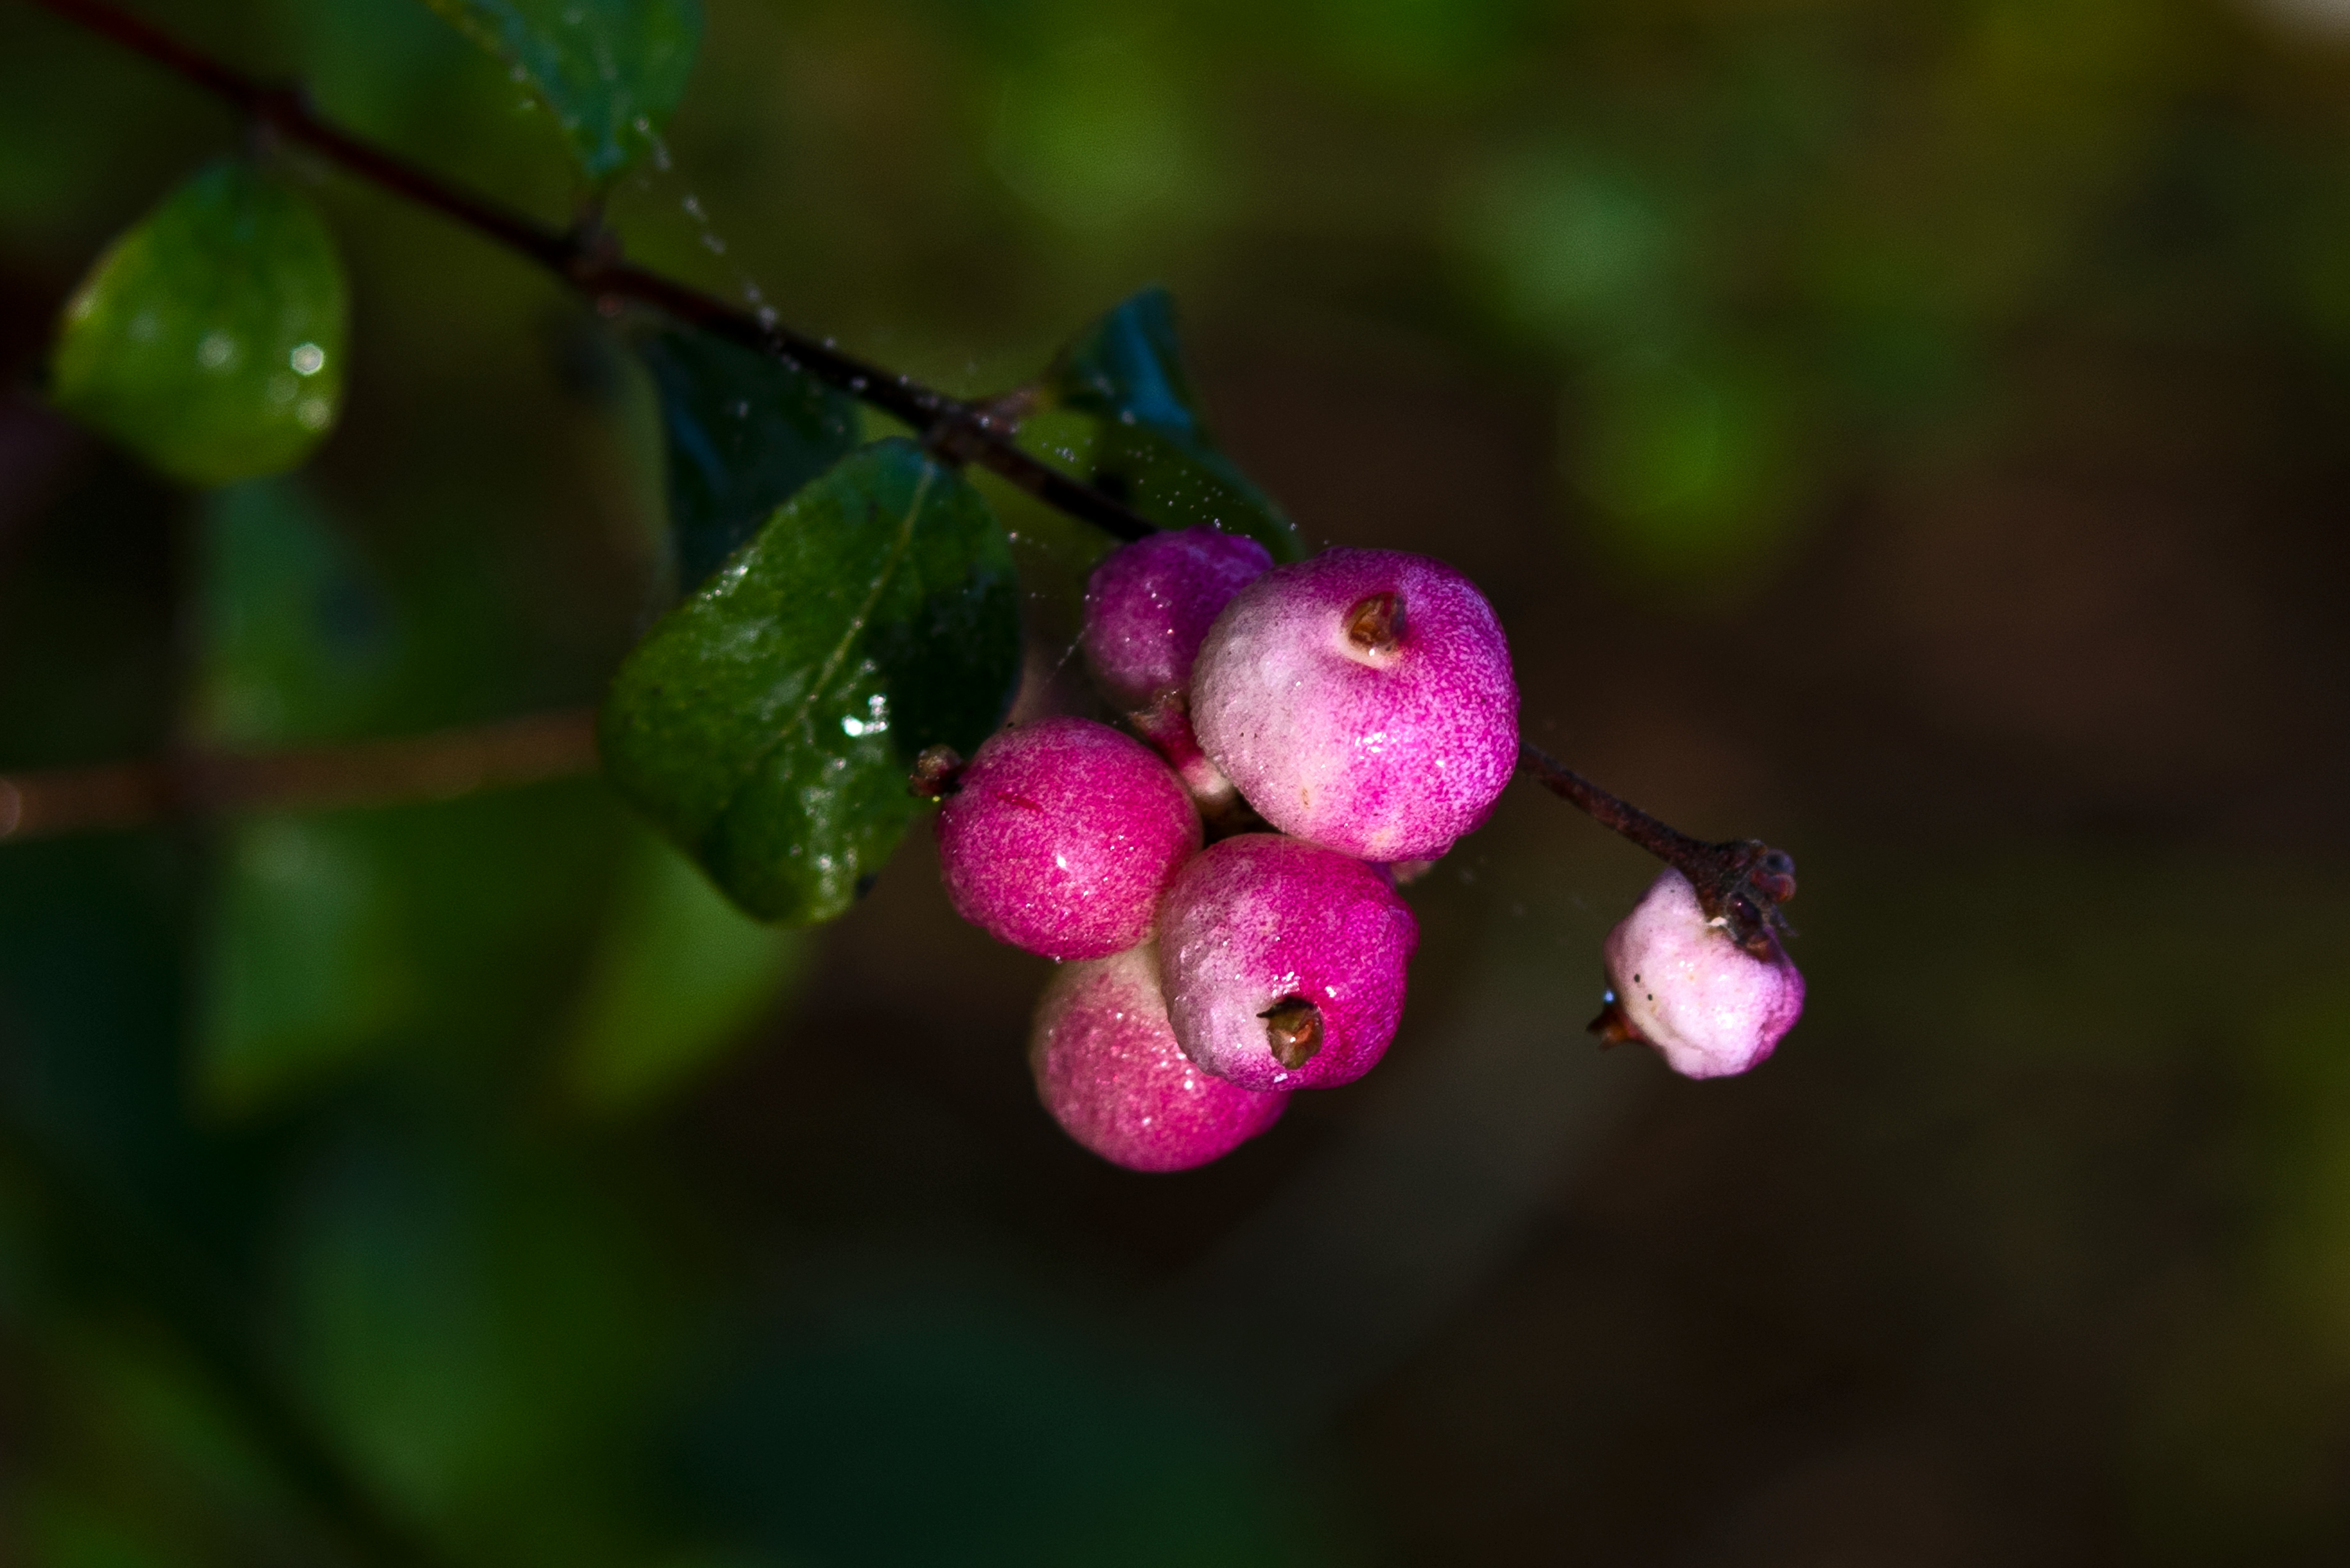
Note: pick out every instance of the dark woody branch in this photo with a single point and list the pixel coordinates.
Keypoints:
(589, 258)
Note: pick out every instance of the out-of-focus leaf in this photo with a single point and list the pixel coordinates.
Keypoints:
(682, 973)
(1104, 137)
(1032, 1439)
(1582, 250)
(474, 1324)
(209, 337)
(295, 638)
(742, 431)
(444, 927)
(66, 1530)
(608, 70)
(305, 967)
(1691, 469)
(768, 723)
(1153, 449)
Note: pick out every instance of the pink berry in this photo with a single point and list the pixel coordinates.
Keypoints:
(1150, 603)
(1680, 983)
(1361, 700)
(1108, 1069)
(1060, 835)
(1283, 963)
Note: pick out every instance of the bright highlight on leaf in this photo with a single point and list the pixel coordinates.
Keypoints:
(742, 431)
(1152, 447)
(210, 338)
(768, 723)
(608, 70)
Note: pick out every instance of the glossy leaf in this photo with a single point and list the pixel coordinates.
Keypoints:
(767, 723)
(742, 431)
(1152, 448)
(608, 70)
(210, 338)
(681, 975)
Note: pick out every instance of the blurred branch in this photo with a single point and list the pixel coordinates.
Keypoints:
(588, 257)
(441, 765)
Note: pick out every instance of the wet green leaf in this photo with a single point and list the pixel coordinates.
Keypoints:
(682, 973)
(209, 337)
(767, 725)
(1152, 447)
(608, 70)
(742, 431)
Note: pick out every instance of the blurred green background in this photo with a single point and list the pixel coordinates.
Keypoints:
(1910, 431)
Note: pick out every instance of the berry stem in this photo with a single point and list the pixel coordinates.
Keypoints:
(1740, 881)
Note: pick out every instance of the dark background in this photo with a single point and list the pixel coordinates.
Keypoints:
(1911, 432)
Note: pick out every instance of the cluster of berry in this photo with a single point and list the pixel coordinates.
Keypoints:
(1333, 725)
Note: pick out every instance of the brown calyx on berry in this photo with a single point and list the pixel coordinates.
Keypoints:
(1293, 1028)
(1612, 1026)
(1376, 625)
(938, 773)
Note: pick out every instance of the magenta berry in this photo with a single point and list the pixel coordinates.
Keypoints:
(1108, 1069)
(1060, 835)
(1680, 983)
(1361, 700)
(1284, 962)
(1149, 604)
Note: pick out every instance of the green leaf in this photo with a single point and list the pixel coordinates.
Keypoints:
(681, 975)
(742, 431)
(768, 723)
(608, 70)
(1151, 446)
(209, 337)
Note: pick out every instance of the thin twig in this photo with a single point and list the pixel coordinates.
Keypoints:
(1741, 880)
(587, 257)
(441, 765)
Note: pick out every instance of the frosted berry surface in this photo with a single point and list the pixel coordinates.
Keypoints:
(1148, 605)
(1061, 834)
(1261, 925)
(1107, 1067)
(1361, 700)
(1679, 983)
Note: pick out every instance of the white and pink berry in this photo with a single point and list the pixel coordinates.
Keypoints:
(1149, 604)
(1108, 1068)
(1060, 835)
(1679, 982)
(1284, 962)
(1361, 700)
